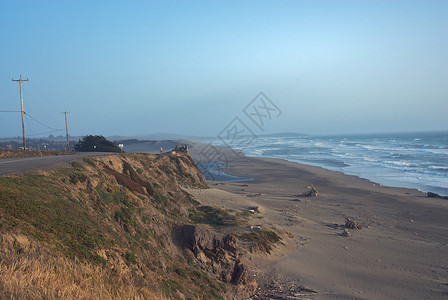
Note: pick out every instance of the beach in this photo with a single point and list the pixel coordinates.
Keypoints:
(400, 252)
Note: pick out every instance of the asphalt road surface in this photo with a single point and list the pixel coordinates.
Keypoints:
(11, 166)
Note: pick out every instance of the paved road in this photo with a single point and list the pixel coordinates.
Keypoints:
(12, 166)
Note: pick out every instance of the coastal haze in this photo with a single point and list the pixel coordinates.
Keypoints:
(323, 124)
(333, 67)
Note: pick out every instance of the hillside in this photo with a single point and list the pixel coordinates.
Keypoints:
(118, 226)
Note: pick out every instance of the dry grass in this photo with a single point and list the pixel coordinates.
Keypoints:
(31, 153)
(28, 272)
(84, 235)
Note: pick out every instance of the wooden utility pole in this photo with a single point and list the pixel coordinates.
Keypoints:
(21, 109)
(66, 129)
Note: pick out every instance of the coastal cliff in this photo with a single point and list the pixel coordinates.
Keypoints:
(117, 226)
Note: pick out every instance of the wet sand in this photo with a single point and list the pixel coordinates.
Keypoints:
(401, 252)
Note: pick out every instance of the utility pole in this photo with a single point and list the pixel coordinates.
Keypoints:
(21, 109)
(66, 129)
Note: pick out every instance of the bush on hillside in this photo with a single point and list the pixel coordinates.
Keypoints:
(92, 143)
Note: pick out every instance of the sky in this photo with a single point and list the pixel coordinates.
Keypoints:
(191, 67)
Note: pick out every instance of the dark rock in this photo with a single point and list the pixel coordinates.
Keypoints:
(181, 148)
(231, 243)
(217, 254)
(346, 233)
(199, 238)
(434, 195)
(239, 275)
(226, 276)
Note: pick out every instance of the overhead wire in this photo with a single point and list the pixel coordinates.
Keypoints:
(53, 130)
(48, 132)
(28, 123)
(49, 127)
(35, 91)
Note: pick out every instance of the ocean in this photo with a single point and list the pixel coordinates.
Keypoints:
(411, 160)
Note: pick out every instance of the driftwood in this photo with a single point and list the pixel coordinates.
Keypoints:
(349, 223)
(311, 193)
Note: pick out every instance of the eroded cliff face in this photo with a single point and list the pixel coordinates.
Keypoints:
(126, 223)
(120, 214)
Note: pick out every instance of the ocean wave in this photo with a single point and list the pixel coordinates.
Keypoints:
(406, 157)
(398, 163)
(437, 151)
(439, 168)
(320, 162)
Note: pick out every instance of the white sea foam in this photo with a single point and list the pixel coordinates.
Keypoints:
(398, 163)
(439, 167)
(421, 161)
(437, 151)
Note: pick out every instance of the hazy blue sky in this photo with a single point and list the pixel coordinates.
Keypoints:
(190, 67)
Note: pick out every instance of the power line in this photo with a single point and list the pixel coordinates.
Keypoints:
(39, 122)
(29, 127)
(66, 129)
(48, 132)
(20, 80)
(49, 127)
(21, 109)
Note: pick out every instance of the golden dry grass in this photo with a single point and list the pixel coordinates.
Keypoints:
(16, 153)
(28, 272)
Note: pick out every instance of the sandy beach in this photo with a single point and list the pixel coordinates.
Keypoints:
(401, 251)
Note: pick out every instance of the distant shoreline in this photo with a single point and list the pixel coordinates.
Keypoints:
(389, 183)
(410, 160)
(225, 172)
(232, 171)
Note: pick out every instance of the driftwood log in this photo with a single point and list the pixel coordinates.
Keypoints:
(311, 193)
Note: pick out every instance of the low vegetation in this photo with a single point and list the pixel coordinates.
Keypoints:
(101, 229)
(261, 240)
(218, 217)
(104, 229)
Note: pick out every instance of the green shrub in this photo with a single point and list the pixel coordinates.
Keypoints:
(77, 165)
(130, 257)
(160, 199)
(215, 216)
(180, 272)
(128, 170)
(118, 197)
(104, 196)
(88, 161)
(77, 177)
(125, 216)
(170, 286)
